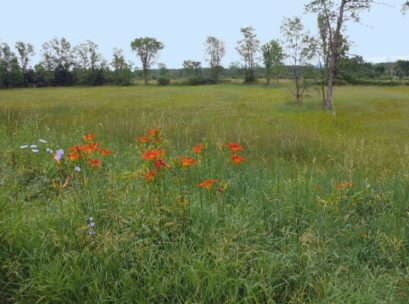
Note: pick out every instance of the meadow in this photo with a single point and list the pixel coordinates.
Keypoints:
(252, 199)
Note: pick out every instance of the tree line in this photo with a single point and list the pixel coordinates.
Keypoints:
(323, 57)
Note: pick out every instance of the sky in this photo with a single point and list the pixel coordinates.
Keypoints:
(183, 25)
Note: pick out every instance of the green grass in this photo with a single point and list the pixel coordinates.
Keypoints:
(280, 233)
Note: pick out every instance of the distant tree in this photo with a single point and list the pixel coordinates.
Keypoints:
(236, 69)
(248, 48)
(335, 13)
(25, 52)
(351, 69)
(324, 53)
(300, 49)
(58, 61)
(122, 69)
(163, 74)
(402, 68)
(147, 50)
(57, 52)
(215, 51)
(90, 64)
(10, 73)
(273, 56)
(193, 72)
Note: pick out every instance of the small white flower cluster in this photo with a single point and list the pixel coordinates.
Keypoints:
(91, 225)
(57, 155)
(35, 148)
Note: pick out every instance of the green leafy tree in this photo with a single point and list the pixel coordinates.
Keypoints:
(236, 69)
(300, 50)
(90, 64)
(25, 52)
(402, 68)
(163, 74)
(58, 61)
(10, 72)
(215, 51)
(324, 54)
(122, 70)
(248, 48)
(335, 13)
(193, 72)
(147, 50)
(273, 56)
(57, 52)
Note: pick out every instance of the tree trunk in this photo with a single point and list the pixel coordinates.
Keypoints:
(329, 106)
(145, 76)
(298, 94)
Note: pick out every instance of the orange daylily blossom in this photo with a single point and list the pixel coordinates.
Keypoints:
(235, 147)
(344, 185)
(105, 152)
(187, 162)
(153, 154)
(149, 176)
(198, 149)
(90, 148)
(95, 163)
(74, 156)
(143, 139)
(237, 159)
(161, 163)
(208, 183)
(153, 132)
(89, 137)
(76, 148)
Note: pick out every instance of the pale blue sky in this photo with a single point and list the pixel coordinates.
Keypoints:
(183, 25)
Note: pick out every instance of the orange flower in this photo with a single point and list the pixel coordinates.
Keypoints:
(143, 139)
(89, 137)
(198, 149)
(344, 185)
(149, 176)
(208, 183)
(76, 148)
(74, 156)
(153, 154)
(95, 163)
(105, 152)
(237, 159)
(90, 148)
(161, 163)
(153, 132)
(187, 162)
(235, 147)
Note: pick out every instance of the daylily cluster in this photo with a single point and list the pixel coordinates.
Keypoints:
(237, 160)
(235, 148)
(154, 155)
(86, 152)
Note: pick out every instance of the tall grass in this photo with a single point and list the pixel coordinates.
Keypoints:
(287, 228)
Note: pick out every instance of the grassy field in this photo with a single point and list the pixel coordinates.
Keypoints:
(317, 212)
